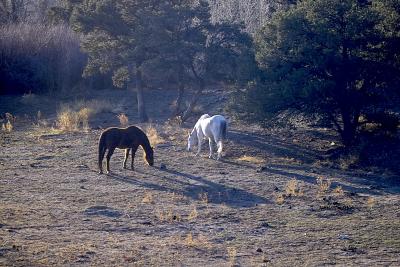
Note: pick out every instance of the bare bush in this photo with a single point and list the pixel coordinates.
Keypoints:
(37, 57)
(123, 120)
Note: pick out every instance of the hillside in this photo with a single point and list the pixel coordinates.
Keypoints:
(271, 201)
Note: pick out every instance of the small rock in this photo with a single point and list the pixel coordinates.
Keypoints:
(344, 237)
(276, 188)
(264, 225)
(261, 169)
(259, 250)
(163, 166)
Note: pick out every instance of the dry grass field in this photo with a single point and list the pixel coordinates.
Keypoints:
(271, 200)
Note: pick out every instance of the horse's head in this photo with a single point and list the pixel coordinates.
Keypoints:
(191, 139)
(149, 157)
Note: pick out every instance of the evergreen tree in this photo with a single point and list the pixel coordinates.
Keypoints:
(120, 37)
(330, 57)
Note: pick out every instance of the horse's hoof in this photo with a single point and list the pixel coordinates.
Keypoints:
(100, 172)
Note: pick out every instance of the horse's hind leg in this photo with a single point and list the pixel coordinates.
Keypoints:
(126, 158)
(102, 151)
(220, 146)
(210, 143)
(109, 154)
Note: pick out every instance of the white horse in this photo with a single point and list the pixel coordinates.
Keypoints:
(213, 128)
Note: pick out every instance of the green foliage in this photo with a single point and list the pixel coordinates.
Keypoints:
(330, 57)
(173, 39)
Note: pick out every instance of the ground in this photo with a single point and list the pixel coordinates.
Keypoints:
(271, 200)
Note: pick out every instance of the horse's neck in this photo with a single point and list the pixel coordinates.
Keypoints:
(146, 145)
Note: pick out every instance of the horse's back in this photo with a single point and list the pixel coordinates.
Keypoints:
(214, 126)
(122, 137)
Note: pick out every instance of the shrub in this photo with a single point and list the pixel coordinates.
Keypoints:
(37, 58)
(71, 120)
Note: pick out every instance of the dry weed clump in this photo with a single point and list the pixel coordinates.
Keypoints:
(8, 126)
(189, 240)
(153, 135)
(349, 161)
(338, 191)
(168, 216)
(279, 198)
(123, 120)
(70, 121)
(323, 186)
(148, 198)
(203, 197)
(176, 197)
(76, 115)
(193, 214)
(251, 159)
(200, 242)
(371, 202)
(293, 188)
(232, 253)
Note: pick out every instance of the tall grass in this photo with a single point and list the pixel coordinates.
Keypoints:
(37, 58)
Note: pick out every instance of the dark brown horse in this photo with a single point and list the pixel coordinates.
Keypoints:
(124, 138)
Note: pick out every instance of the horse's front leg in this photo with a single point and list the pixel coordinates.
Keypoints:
(210, 143)
(134, 149)
(199, 144)
(126, 157)
(108, 157)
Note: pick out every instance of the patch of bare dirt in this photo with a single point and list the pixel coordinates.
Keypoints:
(269, 202)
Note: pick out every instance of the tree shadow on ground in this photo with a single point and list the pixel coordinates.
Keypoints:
(196, 188)
(358, 183)
(364, 185)
(273, 145)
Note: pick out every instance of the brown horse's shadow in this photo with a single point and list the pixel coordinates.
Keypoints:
(196, 188)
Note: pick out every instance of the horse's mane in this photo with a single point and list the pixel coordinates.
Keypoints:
(204, 116)
(146, 143)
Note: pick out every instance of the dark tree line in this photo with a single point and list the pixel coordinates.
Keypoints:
(336, 58)
(339, 59)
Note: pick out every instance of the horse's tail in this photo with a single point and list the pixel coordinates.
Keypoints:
(223, 130)
(102, 151)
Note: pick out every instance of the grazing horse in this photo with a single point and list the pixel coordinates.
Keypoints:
(213, 128)
(124, 138)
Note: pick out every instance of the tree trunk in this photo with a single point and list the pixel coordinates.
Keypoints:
(178, 101)
(193, 101)
(350, 123)
(140, 97)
